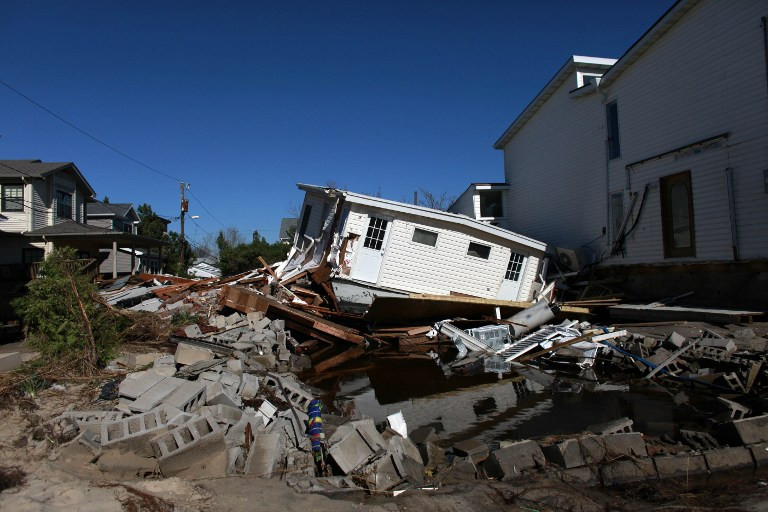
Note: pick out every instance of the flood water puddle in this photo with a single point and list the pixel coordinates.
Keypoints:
(487, 408)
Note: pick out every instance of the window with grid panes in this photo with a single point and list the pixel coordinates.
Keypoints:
(377, 228)
(514, 267)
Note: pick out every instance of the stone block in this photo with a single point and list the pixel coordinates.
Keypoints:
(133, 433)
(188, 397)
(676, 339)
(680, 465)
(136, 384)
(217, 394)
(625, 471)
(249, 386)
(508, 462)
(566, 454)
(382, 474)
(189, 354)
(10, 361)
(461, 469)
(193, 331)
(631, 445)
(747, 430)
(368, 431)
(277, 325)
(423, 435)
(235, 366)
(585, 475)
(729, 458)
(233, 319)
(593, 449)
(196, 447)
(405, 447)
(432, 455)
(265, 455)
(473, 449)
(154, 395)
(351, 450)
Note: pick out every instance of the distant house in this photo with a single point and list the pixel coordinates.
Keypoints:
(45, 205)
(382, 247)
(288, 226)
(658, 158)
(204, 268)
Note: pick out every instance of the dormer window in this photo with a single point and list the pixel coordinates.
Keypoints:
(491, 203)
(13, 198)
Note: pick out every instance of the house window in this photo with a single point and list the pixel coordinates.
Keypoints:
(128, 227)
(479, 250)
(491, 203)
(13, 198)
(514, 267)
(612, 130)
(617, 213)
(63, 205)
(677, 215)
(29, 256)
(422, 236)
(377, 230)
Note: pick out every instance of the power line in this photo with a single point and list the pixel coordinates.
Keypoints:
(86, 133)
(206, 209)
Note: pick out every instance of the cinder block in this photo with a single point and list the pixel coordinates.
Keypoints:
(566, 454)
(729, 458)
(233, 319)
(748, 430)
(631, 444)
(508, 462)
(138, 383)
(277, 325)
(93, 420)
(473, 449)
(297, 396)
(680, 465)
(217, 394)
(189, 354)
(382, 474)
(624, 471)
(351, 450)
(368, 431)
(197, 444)
(265, 455)
(224, 413)
(154, 395)
(249, 386)
(235, 366)
(193, 331)
(612, 427)
(592, 449)
(188, 397)
(584, 475)
(759, 453)
(133, 433)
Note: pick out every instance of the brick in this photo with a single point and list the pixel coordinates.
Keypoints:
(729, 458)
(135, 384)
(133, 433)
(154, 395)
(189, 354)
(188, 397)
(680, 465)
(625, 471)
(196, 446)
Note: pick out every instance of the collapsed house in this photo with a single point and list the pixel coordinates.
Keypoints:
(367, 246)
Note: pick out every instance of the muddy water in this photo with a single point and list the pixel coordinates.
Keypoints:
(487, 408)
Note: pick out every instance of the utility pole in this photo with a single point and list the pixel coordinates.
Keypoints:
(184, 209)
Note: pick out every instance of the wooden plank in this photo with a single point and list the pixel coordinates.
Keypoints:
(643, 312)
(339, 359)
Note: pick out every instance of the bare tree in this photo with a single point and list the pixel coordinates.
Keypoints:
(434, 201)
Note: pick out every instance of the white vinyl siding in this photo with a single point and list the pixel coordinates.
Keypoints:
(465, 204)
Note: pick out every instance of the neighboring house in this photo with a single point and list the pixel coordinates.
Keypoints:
(118, 217)
(204, 269)
(483, 201)
(382, 247)
(659, 157)
(288, 226)
(45, 205)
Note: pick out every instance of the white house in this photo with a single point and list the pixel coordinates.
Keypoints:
(375, 246)
(659, 157)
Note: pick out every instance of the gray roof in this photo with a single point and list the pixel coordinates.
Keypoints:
(98, 208)
(39, 169)
(70, 229)
(286, 224)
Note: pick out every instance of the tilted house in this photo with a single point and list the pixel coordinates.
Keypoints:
(382, 247)
(658, 159)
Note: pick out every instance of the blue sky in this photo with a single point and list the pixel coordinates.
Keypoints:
(245, 99)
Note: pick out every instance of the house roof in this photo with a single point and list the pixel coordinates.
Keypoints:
(71, 230)
(101, 209)
(39, 169)
(421, 211)
(573, 62)
(287, 223)
(614, 67)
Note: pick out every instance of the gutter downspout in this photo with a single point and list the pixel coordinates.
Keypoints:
(604, 94)
(732, 212)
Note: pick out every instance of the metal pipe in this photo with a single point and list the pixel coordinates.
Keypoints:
(530, 318)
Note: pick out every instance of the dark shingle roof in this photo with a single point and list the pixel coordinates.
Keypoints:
(33, 168)
(286, 224)
(110, 209)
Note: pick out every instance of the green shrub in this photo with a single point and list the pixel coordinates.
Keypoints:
(64, 318)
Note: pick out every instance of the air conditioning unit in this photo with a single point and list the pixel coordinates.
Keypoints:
(567, 259)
